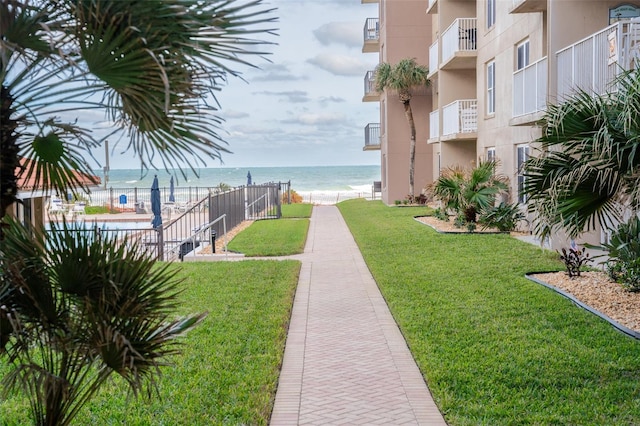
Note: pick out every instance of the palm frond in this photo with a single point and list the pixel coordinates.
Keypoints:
(83, 307)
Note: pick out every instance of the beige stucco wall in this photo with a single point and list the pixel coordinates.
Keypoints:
(405, 32)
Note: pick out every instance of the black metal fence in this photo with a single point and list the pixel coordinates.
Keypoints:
(194, 224)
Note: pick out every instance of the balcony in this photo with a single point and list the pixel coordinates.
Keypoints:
(432, 7)
(434, 126)
(460, 120)
(371, 35)
(459, 44)
(433, 58)
(372, 137)
(593, 63)
(530, 93)
(528, 6)
(370, 92)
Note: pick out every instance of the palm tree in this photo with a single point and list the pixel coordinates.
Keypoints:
(149, 67)
(587, 172)
(74, 309)
(402, 78)
(468, 192)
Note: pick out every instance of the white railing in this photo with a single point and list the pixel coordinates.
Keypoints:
(530, 88)
(460, 117)
(594, 62)
(434, 124)
(433, 57)
(460, 36)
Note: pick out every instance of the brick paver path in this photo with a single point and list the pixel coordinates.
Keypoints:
(345, 361)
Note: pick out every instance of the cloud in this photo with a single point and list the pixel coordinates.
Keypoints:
(339, 64)
(275, 72)
(234, 114)
(292, 96)
(345, 33)
(331, 99)
(317, 119)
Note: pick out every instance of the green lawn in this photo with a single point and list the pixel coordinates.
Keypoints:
(296, 210)
(228, 371)
(494, 347)
(274, 237)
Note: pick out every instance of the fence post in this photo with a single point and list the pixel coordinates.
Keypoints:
(111, 198)
(289, 192)
(279, 203)
(246, 203)
(160, 240)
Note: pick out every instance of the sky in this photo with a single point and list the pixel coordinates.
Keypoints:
(305, 107)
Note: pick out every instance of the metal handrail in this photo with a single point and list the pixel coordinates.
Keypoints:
(199, 233)
(247, 215)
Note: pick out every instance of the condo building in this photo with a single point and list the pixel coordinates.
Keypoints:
(494, 66)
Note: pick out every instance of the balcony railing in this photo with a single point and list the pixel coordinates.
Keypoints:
(530, 88)
(433, 58)
(434, 124)
(372, 136)
(371, 35)
(593, 63)
(461, 36)
(460, 117)
(370, 85)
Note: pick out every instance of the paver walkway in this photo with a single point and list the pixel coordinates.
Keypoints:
(345, 361)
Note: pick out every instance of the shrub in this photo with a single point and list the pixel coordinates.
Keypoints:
(420, 199)
(293, 198)
(573, 260)
(504, 217)
(459, 221)
(440, 214)
(468, 192)
(623, 265)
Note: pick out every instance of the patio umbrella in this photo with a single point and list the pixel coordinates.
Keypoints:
(248, 178)
(156, 208)
(172, 197)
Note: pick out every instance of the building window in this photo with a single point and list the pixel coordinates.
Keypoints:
(491, 87)
(522, 54)
(522, 156)
(491, 154)
(491, 13)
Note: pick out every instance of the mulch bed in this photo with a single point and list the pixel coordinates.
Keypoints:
(594, 289)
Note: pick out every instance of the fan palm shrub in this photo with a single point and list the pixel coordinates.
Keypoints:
(504, 217)
(467, 192)
(402, 79)
(586, 173)
(623, 254)
(76, 309)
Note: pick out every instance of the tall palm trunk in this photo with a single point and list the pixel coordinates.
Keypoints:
(412, 146)
(9, 161)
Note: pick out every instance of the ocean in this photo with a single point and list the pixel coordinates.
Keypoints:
(319, 185)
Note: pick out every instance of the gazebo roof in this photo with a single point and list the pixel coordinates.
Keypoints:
(30, 184)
